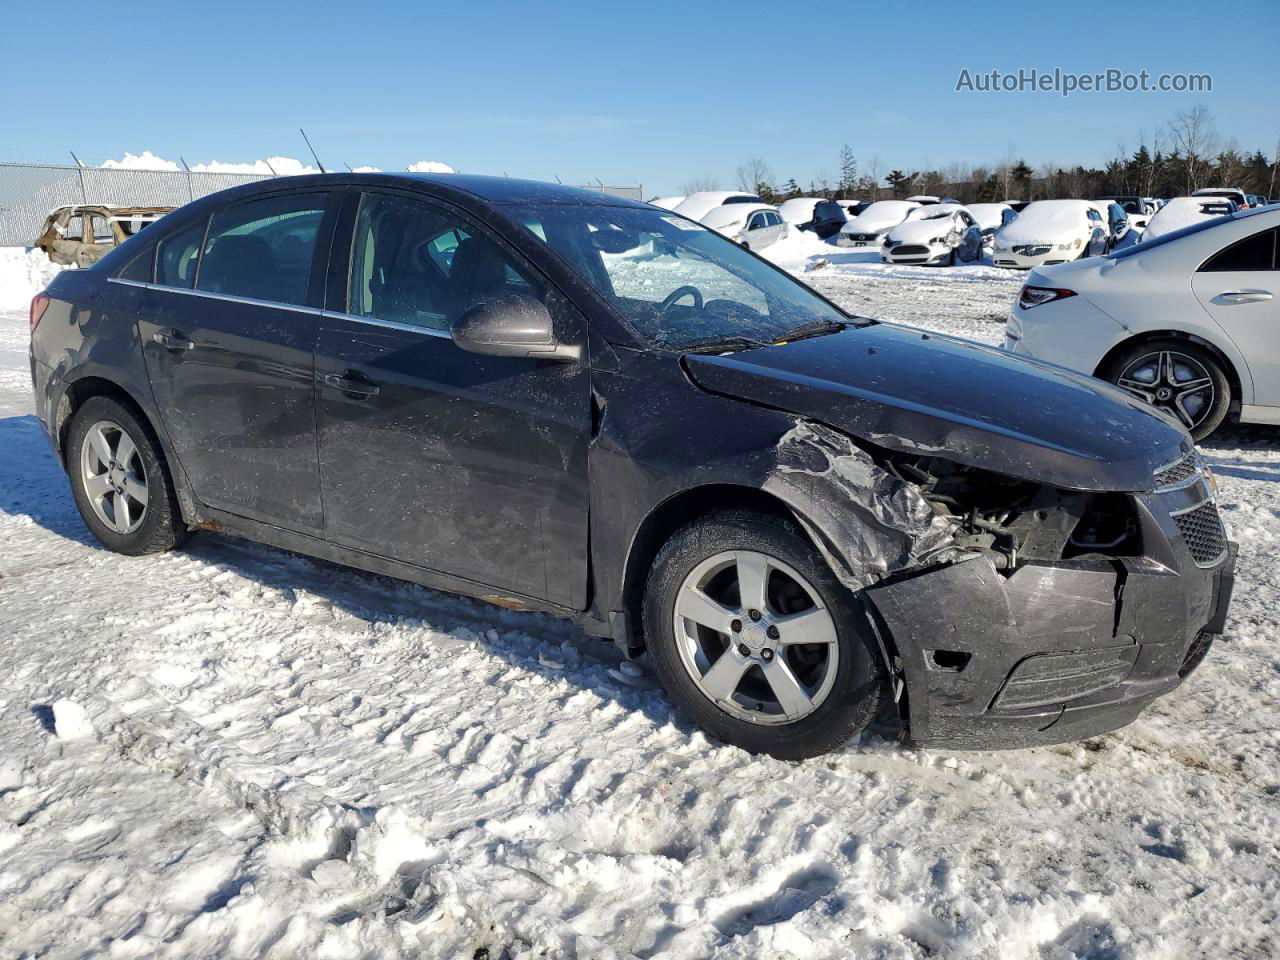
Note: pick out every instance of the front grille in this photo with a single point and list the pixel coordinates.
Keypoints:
(910, 250)
(1033, 250)
(1179, 473)
(1201, 528)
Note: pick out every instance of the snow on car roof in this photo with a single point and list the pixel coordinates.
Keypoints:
(799, 209)
(1044, 220)
(729, 214)
(698, 205)
(1184, 211)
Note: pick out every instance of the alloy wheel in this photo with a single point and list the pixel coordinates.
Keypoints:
(756, 638)
(1172, 381)
(114, 479)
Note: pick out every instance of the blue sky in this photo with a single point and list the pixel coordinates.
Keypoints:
(656, 92)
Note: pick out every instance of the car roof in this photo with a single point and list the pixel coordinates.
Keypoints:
(728, 213)
(493, 190)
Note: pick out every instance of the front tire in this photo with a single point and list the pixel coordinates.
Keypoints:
(1178, 376)
(120, 481)
(756, 641)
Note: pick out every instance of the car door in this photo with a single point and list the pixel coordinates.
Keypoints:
(1239, 286)
(756, 237)
(474, 466)
(228, 330)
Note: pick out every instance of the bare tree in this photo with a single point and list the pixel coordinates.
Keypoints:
(699, 184)
(1194, 137)
(753, 174)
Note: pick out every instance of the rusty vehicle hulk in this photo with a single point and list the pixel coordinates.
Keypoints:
(80, 235)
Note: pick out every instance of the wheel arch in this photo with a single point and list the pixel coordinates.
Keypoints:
(670, 515)
(83, 388)
(1230, 367)
(93, 383)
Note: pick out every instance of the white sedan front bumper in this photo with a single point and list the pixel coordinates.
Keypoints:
(869, 241)
(920, 254)
(1029, 256)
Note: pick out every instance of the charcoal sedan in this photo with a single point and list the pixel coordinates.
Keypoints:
(561, 401)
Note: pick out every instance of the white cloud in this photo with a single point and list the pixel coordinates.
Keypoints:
(430, 166)
(366, 169)
(146, 160)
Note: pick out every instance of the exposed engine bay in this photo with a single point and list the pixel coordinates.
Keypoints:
(1012, 521)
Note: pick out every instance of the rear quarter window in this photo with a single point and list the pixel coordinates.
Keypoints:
(1257, 252)
(178, 253)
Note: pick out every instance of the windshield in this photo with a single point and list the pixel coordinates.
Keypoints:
(679, 284)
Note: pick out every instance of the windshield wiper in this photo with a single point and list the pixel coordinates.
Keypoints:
(817, 329)
(722, 344)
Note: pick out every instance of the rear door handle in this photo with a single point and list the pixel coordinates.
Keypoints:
(1243, 296)
(172, 340)
(355, 386)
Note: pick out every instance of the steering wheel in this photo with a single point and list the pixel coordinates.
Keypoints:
(685, 291)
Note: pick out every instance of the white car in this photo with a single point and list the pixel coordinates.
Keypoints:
(697, 205)
(667, 203)
(868, 228)
(798, 210)
(754, 225)
(1187, 322)
(991, 217)
(1235, 195)
(1051, 231)
(942, 233)
(1183, 212)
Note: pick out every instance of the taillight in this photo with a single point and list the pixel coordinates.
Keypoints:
(39, 304)
(1035, 296)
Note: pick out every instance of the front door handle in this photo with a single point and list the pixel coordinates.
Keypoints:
(172, 340)
(1243, 296)
(354, 386)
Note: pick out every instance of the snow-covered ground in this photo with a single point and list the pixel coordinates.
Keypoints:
(232, 751)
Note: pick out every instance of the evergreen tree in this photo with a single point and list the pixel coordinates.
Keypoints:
(848, 171)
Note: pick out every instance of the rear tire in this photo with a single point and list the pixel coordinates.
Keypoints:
(841, 676)
(120, 481)
(1165, 373)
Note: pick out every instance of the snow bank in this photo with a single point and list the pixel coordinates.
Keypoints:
(23, 273)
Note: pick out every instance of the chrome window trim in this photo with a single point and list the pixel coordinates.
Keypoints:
(227, 297)
(389, 324)
(312, 311)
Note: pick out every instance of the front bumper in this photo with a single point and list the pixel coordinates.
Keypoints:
(1013, 260)
(860, 241)
(1057, 651)
(918, 254)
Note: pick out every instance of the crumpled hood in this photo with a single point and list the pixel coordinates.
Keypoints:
(924, 393)
(921, 231)
(876, 223)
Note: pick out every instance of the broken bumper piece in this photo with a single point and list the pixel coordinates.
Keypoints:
(1057, 651)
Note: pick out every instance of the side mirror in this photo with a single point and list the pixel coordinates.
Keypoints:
(511, 326)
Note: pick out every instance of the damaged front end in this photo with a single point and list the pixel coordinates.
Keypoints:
(1015, 613)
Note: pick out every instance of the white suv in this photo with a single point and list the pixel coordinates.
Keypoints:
(1187, 322)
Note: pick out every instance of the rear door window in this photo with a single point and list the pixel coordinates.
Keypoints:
(1252, 253)
(263, 249)
(179, 252)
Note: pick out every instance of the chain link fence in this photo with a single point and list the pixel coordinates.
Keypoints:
(29, 192)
